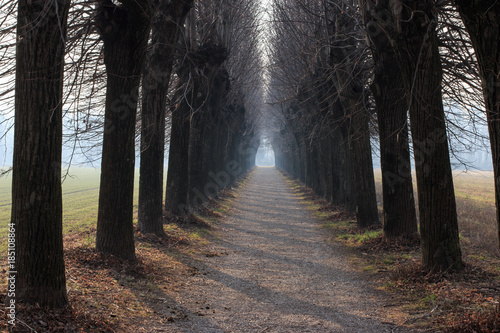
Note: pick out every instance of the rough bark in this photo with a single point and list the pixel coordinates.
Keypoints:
(345, 58)
(176, 195)
(387, 88)
(197, 164)
(207, 60)
(205, 178)
(36, 176)
(167, 25)
(481, 19)
(344, 191)
(364, 180)
(411, 28)
(124, 30)
(359, 151)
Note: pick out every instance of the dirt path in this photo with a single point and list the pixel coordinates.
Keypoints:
(273, 272)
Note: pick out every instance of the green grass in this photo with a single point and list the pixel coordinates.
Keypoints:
(80, 202)
(360, 238)
(424, 303)
(339, 225)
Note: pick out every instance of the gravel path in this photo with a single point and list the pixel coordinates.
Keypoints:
(272, 271)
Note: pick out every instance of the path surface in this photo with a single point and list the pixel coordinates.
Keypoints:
(274, 272)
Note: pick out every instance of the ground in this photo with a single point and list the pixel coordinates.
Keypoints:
(270, 257)
(273, 271)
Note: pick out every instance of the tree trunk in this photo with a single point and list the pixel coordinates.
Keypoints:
(203, 180)
(400, 217)
(324, 167)
(399, 204)
(412, 32)
(481, 19)
(36, 177)
(209, 58)
(343, 189)
(124, 31)
(350, 85)
(197, 146)
(364, 180)
(165, 33)
(176, 196)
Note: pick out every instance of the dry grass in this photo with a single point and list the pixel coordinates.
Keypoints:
(475, 197)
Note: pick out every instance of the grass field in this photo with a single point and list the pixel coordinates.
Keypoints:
(80, 201)
(474, 193)
(475, 196)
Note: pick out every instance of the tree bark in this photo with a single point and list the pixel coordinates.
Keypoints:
(197, 164)
(167, 26)
(350, 84)
(208, 59)
(387, 88)
(36, 177)
(364, 180)
(343, 192)
(411, 28)
(203, 133)
(176, 195)
(124, 30)
(481, 19)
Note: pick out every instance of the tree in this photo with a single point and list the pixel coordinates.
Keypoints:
(411, 29)
(392, 111)
(167, 27)
(186, 100)
(481, 18)
(36, 182)
(124, 29)
(319, 76)
(346, 56)
(227, 39)
(217, 82)
(209, 58)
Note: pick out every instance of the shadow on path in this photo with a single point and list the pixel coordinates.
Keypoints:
(275, 273)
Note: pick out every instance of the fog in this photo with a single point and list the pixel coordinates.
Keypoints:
(265, 156)
(478, 156)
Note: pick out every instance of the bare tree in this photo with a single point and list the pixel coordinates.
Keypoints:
(213, 73)
(322, 87)
(411, 29)
(167, 26)
(392, 112)
(124, 29)
(186, 100)
(347, 54)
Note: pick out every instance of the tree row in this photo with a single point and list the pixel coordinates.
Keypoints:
(346, 71)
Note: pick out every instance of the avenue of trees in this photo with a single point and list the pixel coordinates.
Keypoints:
(112, 73)
(129, 78)
(402, 71)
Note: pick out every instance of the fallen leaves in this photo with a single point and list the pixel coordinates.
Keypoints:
(107, 294)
